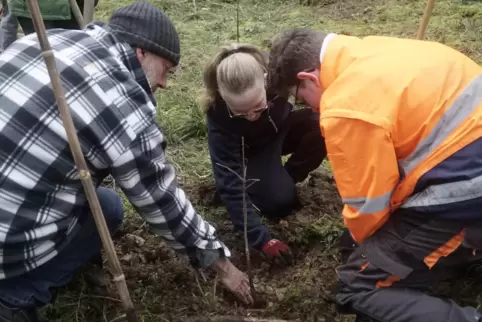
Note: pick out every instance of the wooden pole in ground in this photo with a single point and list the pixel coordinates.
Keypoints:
(88, 11)
(84, 174)
(426, 17)
(77, 13)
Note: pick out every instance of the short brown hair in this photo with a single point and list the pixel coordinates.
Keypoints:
(293, 50)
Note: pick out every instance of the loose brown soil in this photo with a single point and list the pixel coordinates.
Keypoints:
(164, 288)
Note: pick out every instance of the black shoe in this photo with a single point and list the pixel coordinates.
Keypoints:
(13, 314)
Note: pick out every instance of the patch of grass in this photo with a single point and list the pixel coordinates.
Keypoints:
(203, 25)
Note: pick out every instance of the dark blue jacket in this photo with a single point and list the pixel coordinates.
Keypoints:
(224, 140)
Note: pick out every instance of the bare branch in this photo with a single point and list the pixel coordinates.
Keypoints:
(230, 170)
(250, 182)
(232, 319)
(198, 283)
(246, 184)
(119, 318)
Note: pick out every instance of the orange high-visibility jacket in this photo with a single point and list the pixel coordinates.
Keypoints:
(402, 120)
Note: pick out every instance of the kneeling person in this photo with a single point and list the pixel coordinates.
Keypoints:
(238, 106)
(110, 73)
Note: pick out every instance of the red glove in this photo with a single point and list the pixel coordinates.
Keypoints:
(278, 250)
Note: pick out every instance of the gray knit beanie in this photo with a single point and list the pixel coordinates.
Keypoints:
(145, 26)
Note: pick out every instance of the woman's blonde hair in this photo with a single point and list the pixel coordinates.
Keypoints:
(234, 69)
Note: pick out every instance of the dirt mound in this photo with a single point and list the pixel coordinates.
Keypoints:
(163, 284)
(164, 288)
(302, 291)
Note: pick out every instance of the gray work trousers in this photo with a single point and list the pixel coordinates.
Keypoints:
(8, 27)
(386, 276)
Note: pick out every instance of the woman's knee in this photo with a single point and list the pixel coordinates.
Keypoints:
(277, 201)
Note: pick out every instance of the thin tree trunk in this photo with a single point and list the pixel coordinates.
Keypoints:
(245, 215)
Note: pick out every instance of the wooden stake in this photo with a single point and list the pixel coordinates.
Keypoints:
(426, 17)
(88, 11)
(80, 162)
(77, 13)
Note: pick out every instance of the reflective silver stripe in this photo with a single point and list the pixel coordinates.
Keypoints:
(446, 193)
(369, 205)
(463, 106)
(441, 194)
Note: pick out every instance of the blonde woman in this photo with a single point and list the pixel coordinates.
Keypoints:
(237, 105)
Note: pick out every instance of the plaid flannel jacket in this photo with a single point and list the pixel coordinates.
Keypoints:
(114, 112)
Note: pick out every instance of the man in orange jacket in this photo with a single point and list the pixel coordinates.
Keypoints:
(402, 120)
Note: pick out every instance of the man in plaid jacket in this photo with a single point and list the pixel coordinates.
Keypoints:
(109, 73)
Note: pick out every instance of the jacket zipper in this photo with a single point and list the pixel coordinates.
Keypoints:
(276, 130)
(272, 122)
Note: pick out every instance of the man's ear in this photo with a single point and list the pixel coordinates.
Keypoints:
(312, 76)
(141, 54)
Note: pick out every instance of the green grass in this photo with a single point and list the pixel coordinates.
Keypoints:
(203, 25)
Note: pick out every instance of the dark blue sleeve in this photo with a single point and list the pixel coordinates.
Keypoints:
(225, 150)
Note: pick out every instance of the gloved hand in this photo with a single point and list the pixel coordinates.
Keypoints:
(278, 251)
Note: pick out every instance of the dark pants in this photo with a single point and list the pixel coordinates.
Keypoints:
(274, 193)
(386, 276)
(33, 289)
(8, 27)
(28, 27)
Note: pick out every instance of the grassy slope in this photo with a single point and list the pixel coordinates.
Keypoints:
(203, 25)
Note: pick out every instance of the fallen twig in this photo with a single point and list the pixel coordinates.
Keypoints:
(119, 318)
(198, 283)
(93, 296)
(214, 288)
(233, 319)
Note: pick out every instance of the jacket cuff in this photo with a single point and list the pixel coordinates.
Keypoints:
(204, 258)
(264, 237)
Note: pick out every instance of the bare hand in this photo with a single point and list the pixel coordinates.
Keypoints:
(233, 279)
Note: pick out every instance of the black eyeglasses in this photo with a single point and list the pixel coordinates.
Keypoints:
(251, 113)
